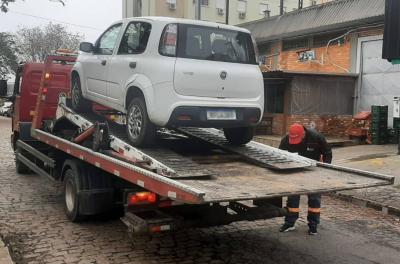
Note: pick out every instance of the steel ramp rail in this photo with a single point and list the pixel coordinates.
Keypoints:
(183, 167)
(254, 152)
(163, 161)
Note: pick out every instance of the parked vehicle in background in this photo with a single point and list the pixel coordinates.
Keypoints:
(6, 109)
(167, 72)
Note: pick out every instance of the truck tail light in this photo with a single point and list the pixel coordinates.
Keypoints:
(157, 229)
(142, 198)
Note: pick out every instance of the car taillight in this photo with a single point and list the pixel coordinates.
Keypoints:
(184, 118)
(142, 198)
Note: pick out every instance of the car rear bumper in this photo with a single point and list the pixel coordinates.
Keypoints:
(196, 116)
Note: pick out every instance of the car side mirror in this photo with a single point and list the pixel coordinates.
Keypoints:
(3, 88)
(86, 47)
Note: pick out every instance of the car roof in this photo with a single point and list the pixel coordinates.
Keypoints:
(185, 21)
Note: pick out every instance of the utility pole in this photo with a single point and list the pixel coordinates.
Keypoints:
(281, 7)
(198, 9)
(227, 12)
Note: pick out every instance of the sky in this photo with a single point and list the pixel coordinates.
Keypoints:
(87, 17)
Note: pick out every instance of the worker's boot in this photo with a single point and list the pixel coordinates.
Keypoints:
(287, 227)
(312, 230)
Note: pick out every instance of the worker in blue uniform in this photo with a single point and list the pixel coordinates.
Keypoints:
(311, 144)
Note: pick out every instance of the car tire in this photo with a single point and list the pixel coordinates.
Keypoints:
(71, 195)
(79, 104)
(140, 130)
(239, 136)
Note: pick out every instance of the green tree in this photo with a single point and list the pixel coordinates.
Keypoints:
(37, 43)
(4, 4)
(8, 55)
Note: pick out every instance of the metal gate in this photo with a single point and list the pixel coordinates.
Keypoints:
(380, 80)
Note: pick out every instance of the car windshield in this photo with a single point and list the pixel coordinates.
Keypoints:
(216, 44)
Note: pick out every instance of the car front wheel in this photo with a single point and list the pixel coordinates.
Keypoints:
(140, 130)
(239, 136)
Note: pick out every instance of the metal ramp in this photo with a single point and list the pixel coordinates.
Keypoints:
(254, 152)
(170, 164)
(160, 160)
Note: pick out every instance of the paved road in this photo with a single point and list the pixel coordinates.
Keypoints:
(33, 225)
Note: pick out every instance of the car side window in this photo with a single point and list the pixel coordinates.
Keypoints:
(135, 38)
(107, 42)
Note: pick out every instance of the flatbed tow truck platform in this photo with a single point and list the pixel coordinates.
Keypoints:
(191, 177)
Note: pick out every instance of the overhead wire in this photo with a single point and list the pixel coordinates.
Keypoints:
(342, 36)
(55, 20)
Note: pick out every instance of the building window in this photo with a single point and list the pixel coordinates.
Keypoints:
(294, 44)
(242, 8)
(221, 5)
(171, 4)
(204, 2)
(322, 40)
(263, 8)
(274, 98)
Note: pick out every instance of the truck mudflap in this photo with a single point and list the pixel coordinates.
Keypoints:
(93, 202)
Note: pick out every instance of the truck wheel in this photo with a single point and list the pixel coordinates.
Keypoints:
(71, 195)
(79, 104)
(239, 136)
(20, 167)
(140, 130)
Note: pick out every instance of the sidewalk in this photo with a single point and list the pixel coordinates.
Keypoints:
(4, 254)
(377, 158)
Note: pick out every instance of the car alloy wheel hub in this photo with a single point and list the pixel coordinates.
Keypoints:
(75, 93)
(135, 120)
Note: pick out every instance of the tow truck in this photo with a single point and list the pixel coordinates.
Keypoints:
(190, 177)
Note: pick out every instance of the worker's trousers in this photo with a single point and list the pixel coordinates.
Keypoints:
(314, 209)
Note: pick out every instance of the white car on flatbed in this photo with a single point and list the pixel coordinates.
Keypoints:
(167, 72)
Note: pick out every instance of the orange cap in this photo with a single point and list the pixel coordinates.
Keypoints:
(296, 134)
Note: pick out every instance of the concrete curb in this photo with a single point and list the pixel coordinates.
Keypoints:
(385, 209)
(5, 257)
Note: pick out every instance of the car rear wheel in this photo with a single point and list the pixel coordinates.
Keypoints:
(79, 104)
(140, 130)
(239, 136)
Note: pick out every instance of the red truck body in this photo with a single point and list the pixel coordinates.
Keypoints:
(28, 81)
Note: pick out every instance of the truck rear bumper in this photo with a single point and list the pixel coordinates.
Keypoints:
(186, 216)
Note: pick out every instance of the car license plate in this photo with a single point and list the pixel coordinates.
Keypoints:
(221, 115)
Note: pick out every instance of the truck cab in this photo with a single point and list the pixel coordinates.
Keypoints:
(26, 87)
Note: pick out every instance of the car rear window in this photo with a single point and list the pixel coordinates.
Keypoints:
(215, 44)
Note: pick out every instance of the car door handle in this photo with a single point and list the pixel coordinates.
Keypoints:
(103, 62)
(132, 64)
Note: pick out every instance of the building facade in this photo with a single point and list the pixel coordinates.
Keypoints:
(240, 11)
(332, 45)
